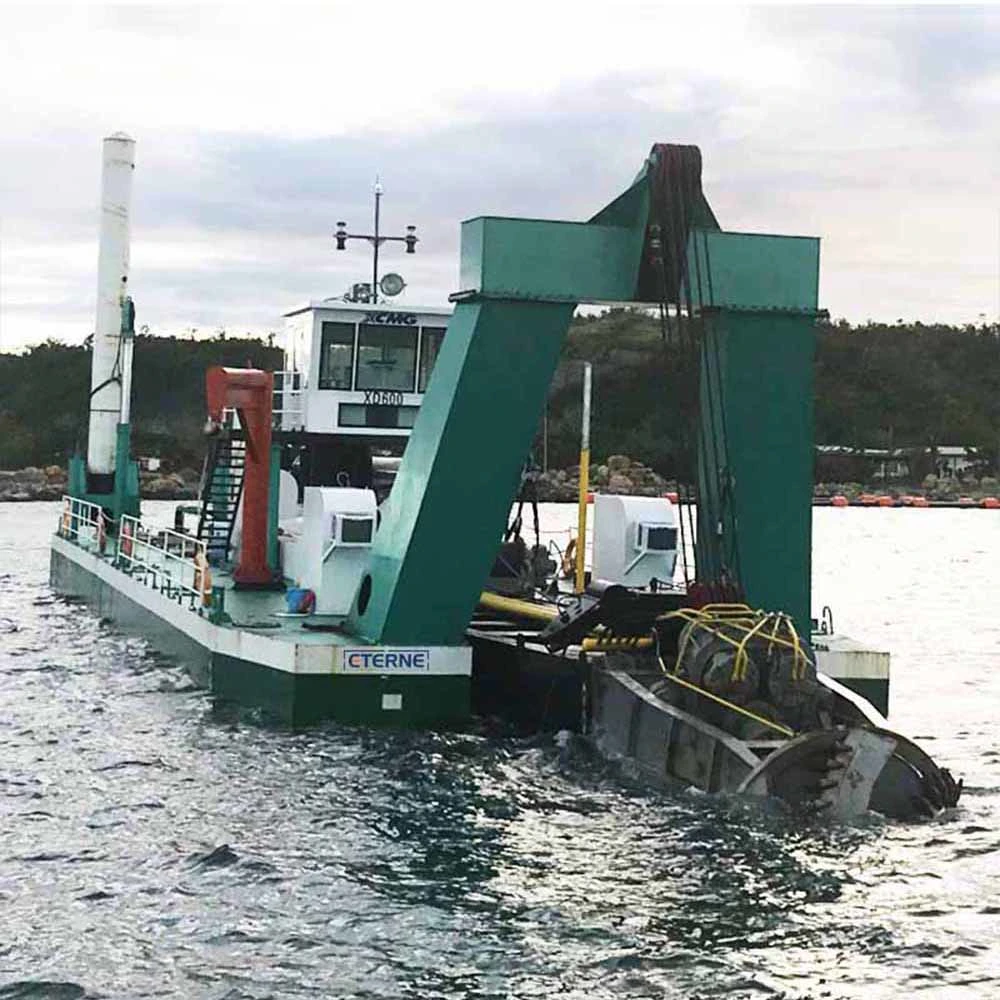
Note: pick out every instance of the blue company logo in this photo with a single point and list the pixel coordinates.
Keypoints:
(387, 659)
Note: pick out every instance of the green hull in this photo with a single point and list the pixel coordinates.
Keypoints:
(303, 700)
(874, 691)
(293, 698)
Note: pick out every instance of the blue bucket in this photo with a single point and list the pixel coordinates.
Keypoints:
(299, 600)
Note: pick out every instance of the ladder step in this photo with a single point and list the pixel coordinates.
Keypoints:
(223, 487)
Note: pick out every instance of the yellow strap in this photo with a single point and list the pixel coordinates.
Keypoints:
(776, 726)
(741, 618)
(741, 662)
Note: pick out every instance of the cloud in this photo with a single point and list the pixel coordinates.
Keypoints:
(875, 129)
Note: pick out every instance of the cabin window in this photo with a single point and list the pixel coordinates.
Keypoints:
(387, 357)
(393, 417)
(656, 538)
(356, 530)
(336, 356)
(430, 346)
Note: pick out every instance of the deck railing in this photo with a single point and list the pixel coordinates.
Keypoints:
(166, 560)
(84, 523)
(287, 405)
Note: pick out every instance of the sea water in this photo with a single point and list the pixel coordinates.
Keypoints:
(150, 847)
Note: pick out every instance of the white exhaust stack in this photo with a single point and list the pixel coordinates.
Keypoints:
(107, 372)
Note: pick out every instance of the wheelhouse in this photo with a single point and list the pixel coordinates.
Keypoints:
(358, 370)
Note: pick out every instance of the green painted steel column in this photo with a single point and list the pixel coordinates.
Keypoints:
(460, 472)
(126, 499)
(757, 480)
(758, 297)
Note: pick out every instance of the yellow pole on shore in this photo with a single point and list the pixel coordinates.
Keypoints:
(581, 526)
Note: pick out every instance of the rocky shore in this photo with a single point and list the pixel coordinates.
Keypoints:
(620, 474)
(931, 488)
(49, 483)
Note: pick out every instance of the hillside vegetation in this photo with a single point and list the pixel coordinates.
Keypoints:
(877, 385)
(44, 397)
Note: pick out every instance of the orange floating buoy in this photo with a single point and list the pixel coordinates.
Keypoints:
(920, 502)
(868, 499)
(671, 495)
(590, 498)
(839, 501)
(886, 501)
(990, 503)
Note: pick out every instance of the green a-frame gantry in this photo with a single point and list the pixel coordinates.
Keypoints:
(521, 280)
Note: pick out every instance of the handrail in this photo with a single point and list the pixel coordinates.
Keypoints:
(170, 561)
(289, 388)
(83, 522)
(288, 397)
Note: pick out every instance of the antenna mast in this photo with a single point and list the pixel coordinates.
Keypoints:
(359, 293)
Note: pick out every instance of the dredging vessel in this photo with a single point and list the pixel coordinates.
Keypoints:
(301, 594)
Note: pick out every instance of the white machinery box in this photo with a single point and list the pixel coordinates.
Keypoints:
(635, 540)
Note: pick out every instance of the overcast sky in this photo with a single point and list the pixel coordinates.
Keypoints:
(877, 129)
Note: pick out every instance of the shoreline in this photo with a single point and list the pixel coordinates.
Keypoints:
(620, 475)
(39, 484)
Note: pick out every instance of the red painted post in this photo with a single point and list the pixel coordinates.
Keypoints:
(249, 391)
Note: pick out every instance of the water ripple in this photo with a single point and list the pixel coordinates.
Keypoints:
(151, 848)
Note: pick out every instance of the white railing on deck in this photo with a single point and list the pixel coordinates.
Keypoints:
(84, 523)
(166, 560)
(287, 404)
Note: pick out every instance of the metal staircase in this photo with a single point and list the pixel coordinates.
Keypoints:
(222, 487)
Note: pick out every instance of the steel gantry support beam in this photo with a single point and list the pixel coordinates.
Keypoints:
(521, 280)
(758, 305)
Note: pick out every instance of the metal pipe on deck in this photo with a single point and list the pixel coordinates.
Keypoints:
(523, 609)
(611, 643)
(546, 613)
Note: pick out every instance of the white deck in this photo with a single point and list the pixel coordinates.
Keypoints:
(155, 572)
